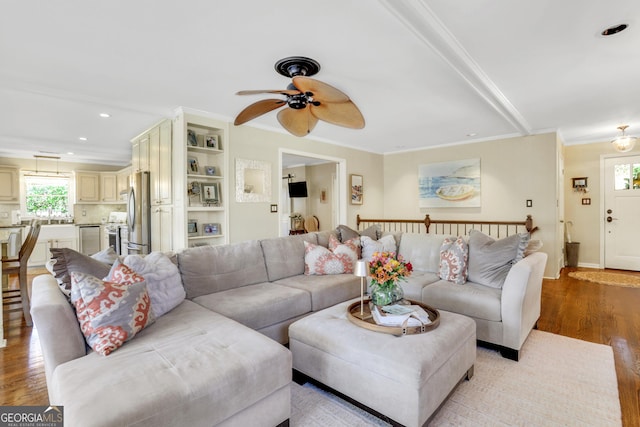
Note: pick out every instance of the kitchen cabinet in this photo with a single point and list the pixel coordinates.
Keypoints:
(87, 187)
(160, 164)
(161, 228)
(140, 153)
(122, 181)
(53, 236)
(108, 187)
(9, 188)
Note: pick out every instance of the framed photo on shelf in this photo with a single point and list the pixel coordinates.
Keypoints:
(192, 165)
(210, 194)
(210, 229)
(210, 170)
(192, 227)
(211, 141)
(192, 139)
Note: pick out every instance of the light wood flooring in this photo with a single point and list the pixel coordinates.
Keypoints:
(588, 311)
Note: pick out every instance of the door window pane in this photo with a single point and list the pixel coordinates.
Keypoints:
(621, 177)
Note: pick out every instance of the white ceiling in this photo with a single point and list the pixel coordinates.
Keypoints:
(424, 73)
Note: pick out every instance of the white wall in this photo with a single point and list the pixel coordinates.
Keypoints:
(254, 220)
(512, 171)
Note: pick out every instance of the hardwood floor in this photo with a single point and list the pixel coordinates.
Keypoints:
(587, 311)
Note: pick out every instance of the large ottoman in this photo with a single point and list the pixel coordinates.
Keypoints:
(404, 378)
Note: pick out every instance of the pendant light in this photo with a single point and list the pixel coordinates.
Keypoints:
(624, 143)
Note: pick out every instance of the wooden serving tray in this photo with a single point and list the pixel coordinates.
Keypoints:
(353, 313)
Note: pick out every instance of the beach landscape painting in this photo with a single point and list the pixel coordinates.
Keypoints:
(449, 184)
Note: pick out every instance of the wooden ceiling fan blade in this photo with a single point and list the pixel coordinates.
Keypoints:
(258, 92)
(257, 109)
(342, 114)
(297, 122)
(321, 91)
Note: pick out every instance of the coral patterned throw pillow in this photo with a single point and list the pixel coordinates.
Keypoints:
(110, 313)
(454, 257)
(319, 260)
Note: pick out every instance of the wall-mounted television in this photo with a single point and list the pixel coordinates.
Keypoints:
(298, 189)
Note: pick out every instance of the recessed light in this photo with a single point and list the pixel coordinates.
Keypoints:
(614, 30)
(105, 115)
(82, 138)
(472, 134)
(70, 153)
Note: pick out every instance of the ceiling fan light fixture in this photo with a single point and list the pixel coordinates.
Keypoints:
(624, 142)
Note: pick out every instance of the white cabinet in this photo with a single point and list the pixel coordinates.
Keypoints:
(140, 153)
(200, 189)
(160, 163)
(9, 188)
(87, 187)
(122, 181)
(161, 228)
(97, 187)
(53, 236)
(108, 187)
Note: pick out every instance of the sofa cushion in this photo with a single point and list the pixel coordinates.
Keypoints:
(209, 269)
(413, 285)
(163, 280)
(324, 236)
(325, 290)
(320, 260)
(490, 260)
(422, 251)
(184, 370)
(470, 299)
(68, 260)
(284, 256)
(386, 243)
(346, 233)
(258, 306)
(454, 255)
(112, 313)
(107, 256)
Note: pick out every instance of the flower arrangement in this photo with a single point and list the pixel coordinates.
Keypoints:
(386, 268)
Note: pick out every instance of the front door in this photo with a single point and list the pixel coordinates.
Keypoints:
(622, 213)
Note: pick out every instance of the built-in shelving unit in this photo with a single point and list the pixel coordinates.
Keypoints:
(201, 172)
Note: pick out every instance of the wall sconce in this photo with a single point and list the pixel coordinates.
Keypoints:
(580, 185)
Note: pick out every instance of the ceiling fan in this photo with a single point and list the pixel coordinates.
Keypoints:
(308, 100)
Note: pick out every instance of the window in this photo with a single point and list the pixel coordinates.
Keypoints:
(46, 196)
(627, 176)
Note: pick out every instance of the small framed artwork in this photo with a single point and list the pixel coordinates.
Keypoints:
(210, 194)
(192, 165)
(211, 141)
(210, 229)
(323, 195)
(579, 182)
(356, 189)
(192, 227)
(210, 170)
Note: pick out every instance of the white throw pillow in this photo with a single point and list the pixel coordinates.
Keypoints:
(384, 244)
(163, 280)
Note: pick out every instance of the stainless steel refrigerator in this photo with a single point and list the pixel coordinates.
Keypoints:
(139, 214)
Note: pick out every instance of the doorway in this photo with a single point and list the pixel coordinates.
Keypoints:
(621, 212)
(326, 182)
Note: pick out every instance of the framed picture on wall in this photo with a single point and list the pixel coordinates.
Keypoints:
(356, 189)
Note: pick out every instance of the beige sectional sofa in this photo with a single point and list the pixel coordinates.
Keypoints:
(217, 358)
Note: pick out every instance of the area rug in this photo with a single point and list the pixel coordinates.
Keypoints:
(607, 278)
(558, 381)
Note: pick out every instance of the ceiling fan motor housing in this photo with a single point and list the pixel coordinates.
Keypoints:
(297, 66)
